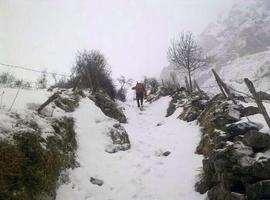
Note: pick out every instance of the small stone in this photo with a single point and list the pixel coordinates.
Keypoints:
(166, 153)
(96, 181)
(159, 124)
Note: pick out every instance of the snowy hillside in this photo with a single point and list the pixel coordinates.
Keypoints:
(244, 31)
(238, 45)
(256, 67)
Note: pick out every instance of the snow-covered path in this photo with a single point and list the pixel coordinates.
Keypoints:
(139, 173)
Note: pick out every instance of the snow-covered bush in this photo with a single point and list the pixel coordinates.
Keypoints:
(42, 81)
(92, 71)
(30, 164)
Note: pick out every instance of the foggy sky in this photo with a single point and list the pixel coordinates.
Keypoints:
(132, 34)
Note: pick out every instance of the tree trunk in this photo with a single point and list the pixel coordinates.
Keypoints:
(190, 81)
(187, 85)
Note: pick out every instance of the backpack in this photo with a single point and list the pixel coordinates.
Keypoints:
(139, 88)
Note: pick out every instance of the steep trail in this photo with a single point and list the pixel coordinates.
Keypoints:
(142, 172)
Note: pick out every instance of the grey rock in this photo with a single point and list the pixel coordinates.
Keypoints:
(96, 181)
(120, 139)
(166, 153)
(257, 140)
(250, 110)
(221, 120)
(259, 190)
(109, 106)
(241, 128)
(237, 196)
(261, 169)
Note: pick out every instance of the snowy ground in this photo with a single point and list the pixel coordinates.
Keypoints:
(23, 99)
(139, 173)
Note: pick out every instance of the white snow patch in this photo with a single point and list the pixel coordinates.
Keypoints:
(137, 173)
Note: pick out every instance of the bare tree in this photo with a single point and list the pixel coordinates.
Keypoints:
(123, 81)
(121, 93)
(151, 83)
(184, 53)
(54, 78)
(93, 72)
(42, 81)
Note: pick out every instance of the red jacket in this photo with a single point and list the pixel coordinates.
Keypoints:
(139, 88)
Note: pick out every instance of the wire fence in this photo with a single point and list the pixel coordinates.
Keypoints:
(32, 85)
(11, 87)
(33, 70)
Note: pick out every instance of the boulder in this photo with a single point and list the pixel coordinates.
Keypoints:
(177, 99)
(166, 153)
(220, 112)
(222, 120)
(259, 190)
(237, 196)
(257, 140)
(96, 181)
(120, 139)
(108, 106)
(261, 169)
(193, 108)
(250, 110)
(218, 193)
(241, 128)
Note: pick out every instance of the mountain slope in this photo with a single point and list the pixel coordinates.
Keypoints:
(244, 31)
(238, 44)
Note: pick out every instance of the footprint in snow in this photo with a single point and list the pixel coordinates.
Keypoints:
(160, 153)
(138, 165)
(146, 171)
(160, 124)
(160, 163)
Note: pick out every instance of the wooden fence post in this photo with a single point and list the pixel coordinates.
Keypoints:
(52, 98)
(258, 100)
(223, 87)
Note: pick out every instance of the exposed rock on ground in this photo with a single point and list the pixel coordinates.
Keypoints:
(177, 100)
(120, 139)
(193, 107)
(109, 107)
(237, 158)
(96, 181)
(250, 110)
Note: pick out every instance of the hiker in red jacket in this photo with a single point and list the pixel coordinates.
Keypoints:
(140, 93)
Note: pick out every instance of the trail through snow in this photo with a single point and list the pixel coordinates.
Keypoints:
(140, 173)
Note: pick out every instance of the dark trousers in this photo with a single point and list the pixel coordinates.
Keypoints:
(139, 97)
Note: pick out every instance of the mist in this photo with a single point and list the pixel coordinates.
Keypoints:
(133, 35)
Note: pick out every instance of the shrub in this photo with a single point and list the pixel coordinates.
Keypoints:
(30, 165)
(7, 78)
(122, 91)
(92, 71)
(151, 84)
(121, 94)
(42, 81)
